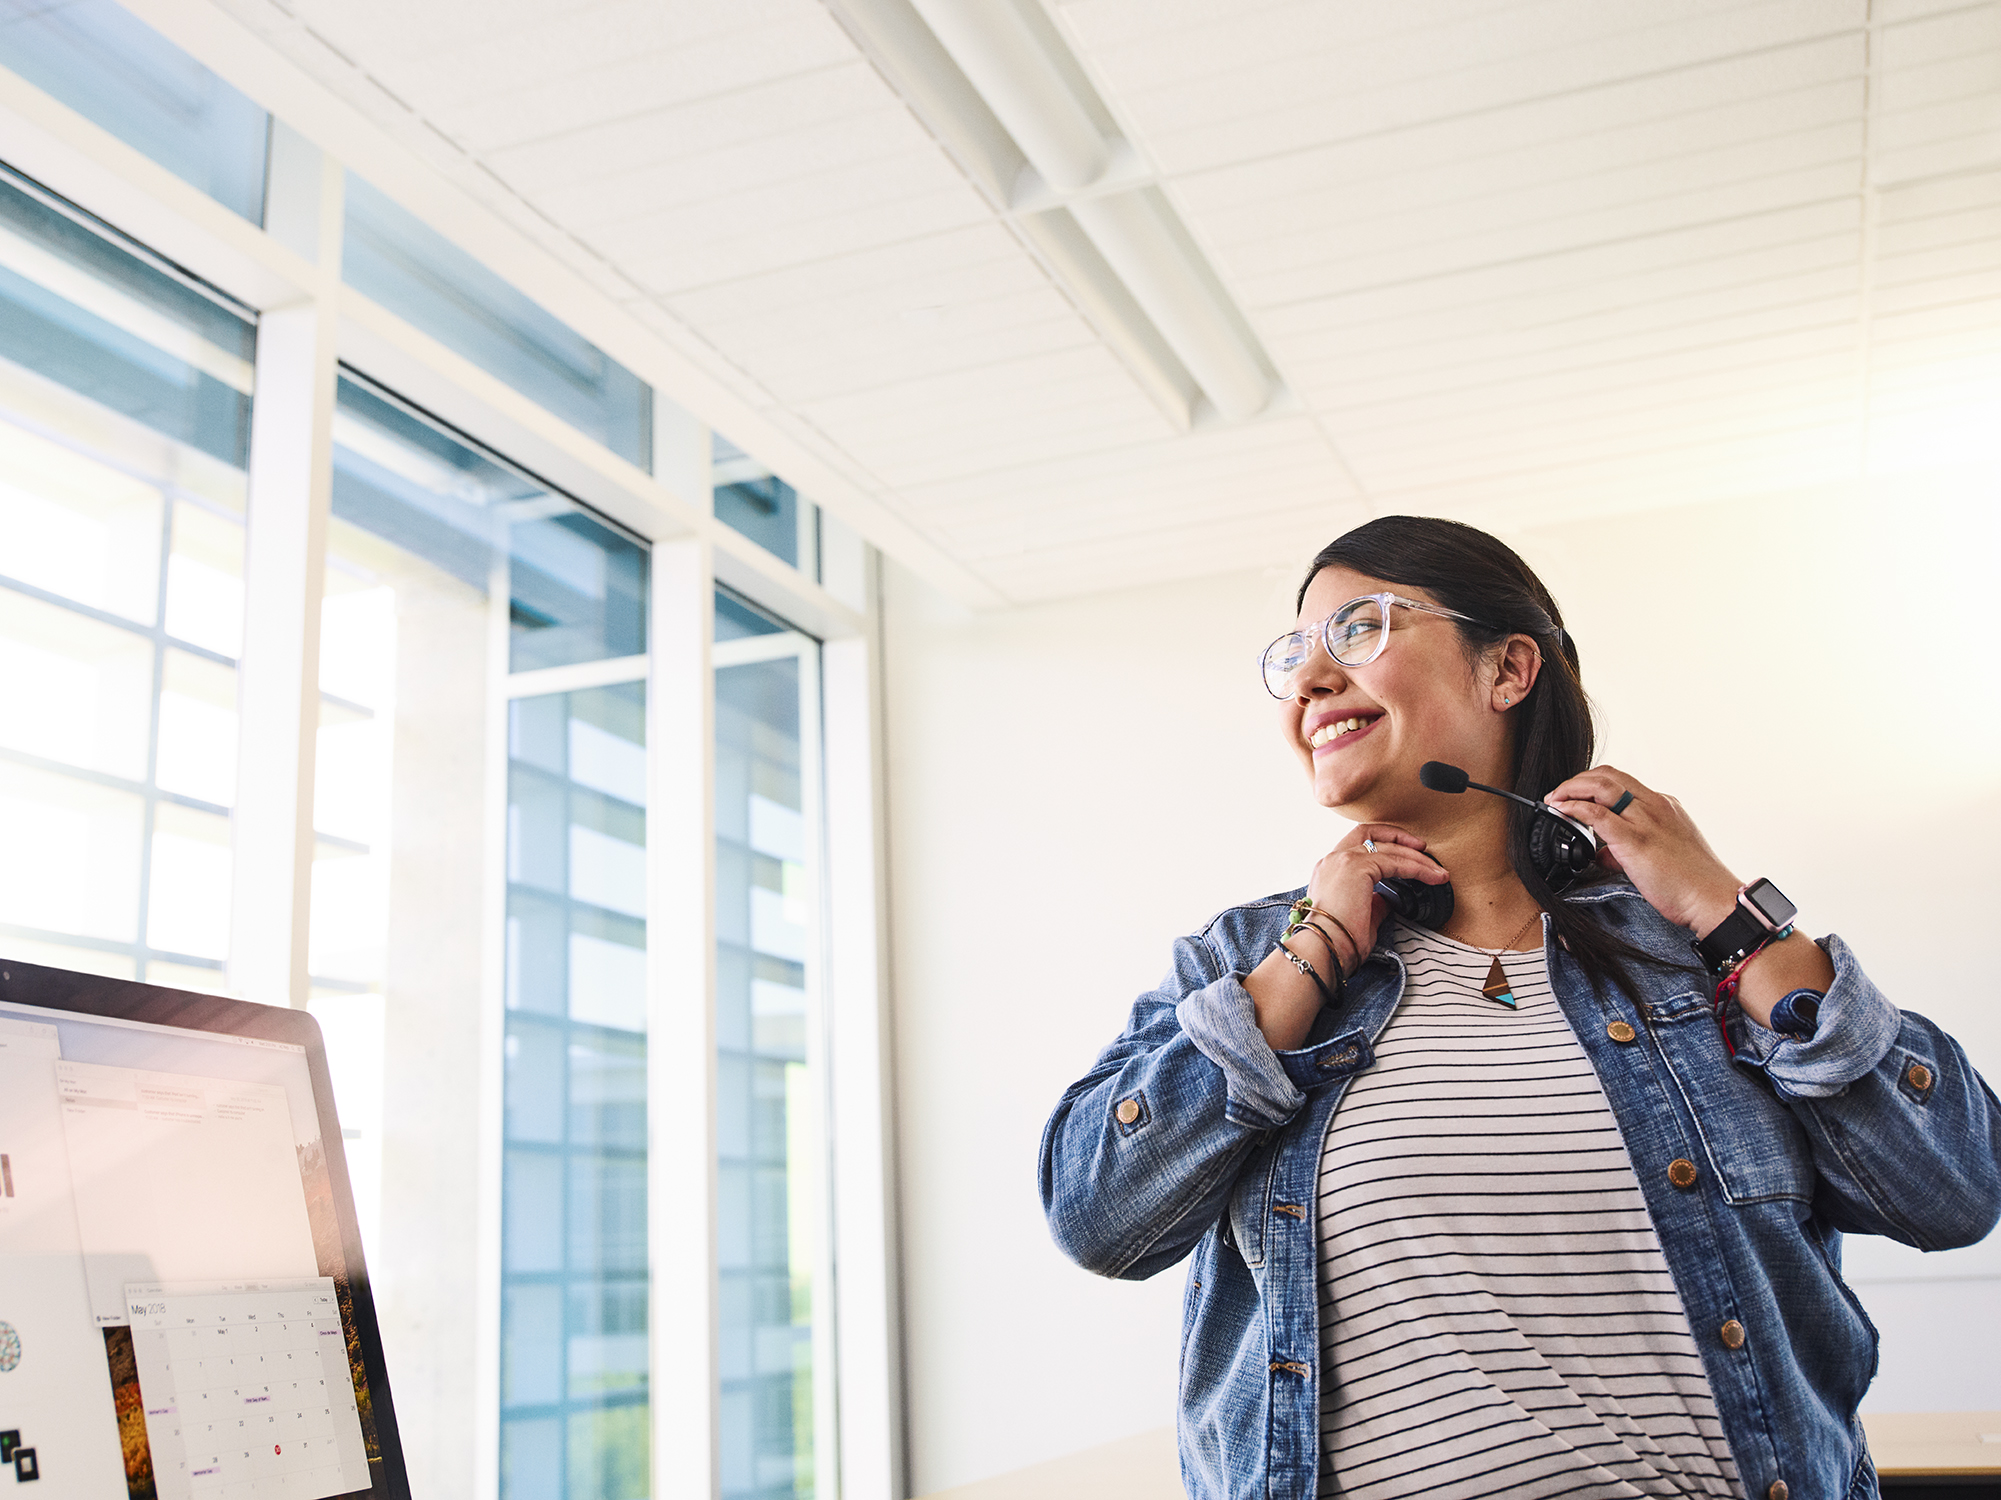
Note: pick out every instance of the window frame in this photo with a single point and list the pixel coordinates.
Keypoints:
(311, 322)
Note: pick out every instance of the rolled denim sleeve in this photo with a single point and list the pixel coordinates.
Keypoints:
(1854, 1031)
(1139, 1156)
(1222, 1022)
(1906, 1135)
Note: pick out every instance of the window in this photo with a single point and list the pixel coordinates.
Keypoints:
(112, 68)
(486, 819)
(574, 1367)
(394, 258)
(751, 499)
(770, 1144)
(124, 420)
(436, 548)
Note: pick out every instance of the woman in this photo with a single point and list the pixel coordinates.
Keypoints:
(1539, 1203)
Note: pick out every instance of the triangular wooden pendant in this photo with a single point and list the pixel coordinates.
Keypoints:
(1497, 986)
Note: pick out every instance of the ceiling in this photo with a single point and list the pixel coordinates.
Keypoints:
(1511, 260)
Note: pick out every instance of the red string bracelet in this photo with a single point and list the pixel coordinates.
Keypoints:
(1726, 988)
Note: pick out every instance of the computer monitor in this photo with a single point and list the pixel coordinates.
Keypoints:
(184, 1310)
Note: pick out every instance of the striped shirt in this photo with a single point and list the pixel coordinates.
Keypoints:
(1496, 1317)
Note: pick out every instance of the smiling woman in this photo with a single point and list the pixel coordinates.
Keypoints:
(1518, 1214)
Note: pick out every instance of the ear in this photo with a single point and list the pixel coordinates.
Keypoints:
(1515, 671)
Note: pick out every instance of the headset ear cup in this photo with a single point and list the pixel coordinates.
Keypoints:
(1557, 851)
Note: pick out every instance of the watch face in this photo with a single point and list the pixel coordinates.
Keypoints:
(1769, 903)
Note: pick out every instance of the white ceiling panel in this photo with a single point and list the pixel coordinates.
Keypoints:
(688, 133)
(1511, 259)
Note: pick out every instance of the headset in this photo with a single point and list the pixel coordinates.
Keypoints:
(1560, 849)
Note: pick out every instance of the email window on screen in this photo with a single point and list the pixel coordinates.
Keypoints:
(185, 1169)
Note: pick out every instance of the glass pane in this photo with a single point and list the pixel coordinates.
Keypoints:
(78, 690)
(77, 527)
(188, 908)
(432, 537)
(85, 841)
(751, 499)
(579, 593)
(205, 579)
(95, 315)
(768, 1128)
(578, 587)
(124, 414)
(393, 257)
(110, 67)
(197, 754)
(574, 1265)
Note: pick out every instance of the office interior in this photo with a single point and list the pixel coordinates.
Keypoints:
(686, 575)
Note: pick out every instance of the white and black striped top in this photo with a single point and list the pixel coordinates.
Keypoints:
(1496, 1317)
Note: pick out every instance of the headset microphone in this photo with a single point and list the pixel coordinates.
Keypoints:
(1560, 849)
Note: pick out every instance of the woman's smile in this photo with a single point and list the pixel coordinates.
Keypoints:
(1330, 733)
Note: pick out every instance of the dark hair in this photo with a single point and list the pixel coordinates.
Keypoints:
(1465, 569)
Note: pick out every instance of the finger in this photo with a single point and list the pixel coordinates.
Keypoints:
(1602, 784)
(1387, 862)
(1597, 817)
(1381, 833)
(1401, 864)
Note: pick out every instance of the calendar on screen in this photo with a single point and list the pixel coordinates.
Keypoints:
(247, 1390)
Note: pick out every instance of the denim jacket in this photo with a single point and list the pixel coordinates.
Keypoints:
(1190, 1136)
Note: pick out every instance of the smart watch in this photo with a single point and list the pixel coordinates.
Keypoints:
(1761, 914)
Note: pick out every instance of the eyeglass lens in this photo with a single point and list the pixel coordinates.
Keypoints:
(1353, 635)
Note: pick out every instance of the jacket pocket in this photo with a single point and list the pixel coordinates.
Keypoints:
(1250, 1201)
(1758, 1151)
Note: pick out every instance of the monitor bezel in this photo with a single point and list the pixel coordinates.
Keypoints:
(36, 986)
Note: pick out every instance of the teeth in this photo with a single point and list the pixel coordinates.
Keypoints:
(1327, 732)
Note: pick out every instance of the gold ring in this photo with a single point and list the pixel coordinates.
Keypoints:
(1370, 845)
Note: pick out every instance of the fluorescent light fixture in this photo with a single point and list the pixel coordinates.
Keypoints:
(995, 83)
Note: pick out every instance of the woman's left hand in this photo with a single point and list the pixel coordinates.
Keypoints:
(1654, 843)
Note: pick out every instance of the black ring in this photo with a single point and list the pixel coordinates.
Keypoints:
(1625, 801)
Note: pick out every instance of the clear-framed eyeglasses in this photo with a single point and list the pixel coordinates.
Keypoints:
(1354, 635)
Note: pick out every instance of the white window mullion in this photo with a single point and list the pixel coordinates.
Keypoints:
(681, 1024)
(291, 486)
(866, 1309)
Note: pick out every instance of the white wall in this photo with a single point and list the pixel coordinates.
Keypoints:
(1071, 785)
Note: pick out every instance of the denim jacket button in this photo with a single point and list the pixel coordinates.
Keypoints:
(1128, 1111)
(1732, 1334)
(1681, 1172)
(1919, 1077)
(1621, 1032)
(1778, 1491)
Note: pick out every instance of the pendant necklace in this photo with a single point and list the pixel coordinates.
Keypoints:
(1497, 987)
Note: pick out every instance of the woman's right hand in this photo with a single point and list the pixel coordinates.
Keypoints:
(1343, 882)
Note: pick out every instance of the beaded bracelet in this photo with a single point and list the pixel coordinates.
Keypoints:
(1303, 913)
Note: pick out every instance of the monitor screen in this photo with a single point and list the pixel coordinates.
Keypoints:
(184, 1310)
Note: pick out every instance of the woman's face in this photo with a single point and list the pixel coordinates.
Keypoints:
(1420, 700)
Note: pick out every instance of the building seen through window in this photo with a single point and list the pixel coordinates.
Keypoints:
(770, 1141)
(435, 544)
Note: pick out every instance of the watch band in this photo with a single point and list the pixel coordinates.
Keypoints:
(1741, 933)
(1727, 943)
